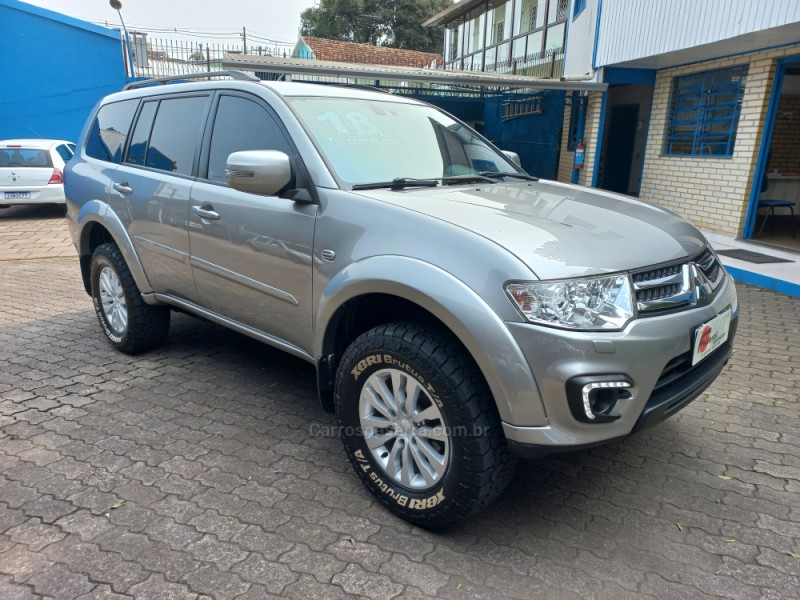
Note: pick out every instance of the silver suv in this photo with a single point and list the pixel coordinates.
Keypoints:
(459, 311)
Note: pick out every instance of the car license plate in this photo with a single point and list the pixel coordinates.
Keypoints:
(710, 336)
(18, 195)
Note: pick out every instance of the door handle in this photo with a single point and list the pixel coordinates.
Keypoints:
(205, 213)
(123, 188)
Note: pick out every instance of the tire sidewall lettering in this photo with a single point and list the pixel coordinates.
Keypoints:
(362, 456)
(389, 360)
(101, 262)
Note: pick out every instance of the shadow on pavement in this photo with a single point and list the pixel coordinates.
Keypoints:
(32, 212)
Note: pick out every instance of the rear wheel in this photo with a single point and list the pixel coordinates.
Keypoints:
(419, 424)
(129, 323)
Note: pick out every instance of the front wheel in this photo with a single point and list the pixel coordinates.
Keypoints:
(419, 424)
(130, 324)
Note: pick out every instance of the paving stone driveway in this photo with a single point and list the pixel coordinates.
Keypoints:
(199, 470)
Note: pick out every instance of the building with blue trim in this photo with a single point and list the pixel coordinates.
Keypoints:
(702, 111)
(703, 102)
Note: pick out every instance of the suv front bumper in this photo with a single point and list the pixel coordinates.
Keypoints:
(654, 353)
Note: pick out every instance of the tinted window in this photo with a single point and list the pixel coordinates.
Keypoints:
(174, 138)
(64, 152)
(141, 132)
(241, 124)
(24, 157)
(110, 130)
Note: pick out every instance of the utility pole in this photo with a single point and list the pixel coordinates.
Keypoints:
(244, 40)
(117, 6)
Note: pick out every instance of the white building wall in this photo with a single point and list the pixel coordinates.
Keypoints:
(580, 40)
(636, 29)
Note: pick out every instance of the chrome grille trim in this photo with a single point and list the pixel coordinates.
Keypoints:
(678, 285)
(677, 278)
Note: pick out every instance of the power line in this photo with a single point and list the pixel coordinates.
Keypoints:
(204, 33)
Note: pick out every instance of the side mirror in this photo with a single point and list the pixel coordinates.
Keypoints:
(264, 172)
(513, 157)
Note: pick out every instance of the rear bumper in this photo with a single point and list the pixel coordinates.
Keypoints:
(50, 194)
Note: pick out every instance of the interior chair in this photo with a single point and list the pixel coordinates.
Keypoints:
(771, 204)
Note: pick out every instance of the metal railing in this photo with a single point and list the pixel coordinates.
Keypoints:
(546, 64)
(155, 57)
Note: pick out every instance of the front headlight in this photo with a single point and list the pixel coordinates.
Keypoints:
(600, 303)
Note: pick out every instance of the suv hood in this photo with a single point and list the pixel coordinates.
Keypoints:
(556, 229)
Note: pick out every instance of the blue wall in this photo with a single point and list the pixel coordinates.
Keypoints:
(53, 69)
(536, 138)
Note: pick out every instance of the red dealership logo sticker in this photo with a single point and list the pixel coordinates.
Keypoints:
(705, 338)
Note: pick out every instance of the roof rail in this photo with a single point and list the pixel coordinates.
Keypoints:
(358, 86)
(233, 74)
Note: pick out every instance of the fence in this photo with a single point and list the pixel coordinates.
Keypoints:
(155, 57)
(161, 57)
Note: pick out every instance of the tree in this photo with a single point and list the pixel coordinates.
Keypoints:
(406, 25)
(361, 21)
(395, 23)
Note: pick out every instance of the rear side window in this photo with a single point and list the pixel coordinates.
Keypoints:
(24, 157)
(110, 130)
(141, 133)
(241, 124)
(64, 152)
(176, 129)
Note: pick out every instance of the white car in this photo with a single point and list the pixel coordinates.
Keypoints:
(32, 171)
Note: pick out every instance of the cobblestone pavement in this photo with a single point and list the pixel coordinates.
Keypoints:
(34, 232)
(195, 471)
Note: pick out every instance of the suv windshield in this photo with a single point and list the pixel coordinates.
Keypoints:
(367, 141)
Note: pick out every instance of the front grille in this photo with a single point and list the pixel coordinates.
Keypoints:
(658, 283)
(673, 371)
(677, 285)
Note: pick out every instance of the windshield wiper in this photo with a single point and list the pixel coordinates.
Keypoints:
(404, 182)
(524, 176)
(397, 184)
(467, 178)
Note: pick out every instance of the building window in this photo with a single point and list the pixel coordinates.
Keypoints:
(531, 15)
(704, 112)
(578, 9)
(558, 10)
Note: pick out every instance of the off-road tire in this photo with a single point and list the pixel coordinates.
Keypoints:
(480, 464)
(147, 326)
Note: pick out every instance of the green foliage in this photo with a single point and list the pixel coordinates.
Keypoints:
(395, 23)
(407, 31)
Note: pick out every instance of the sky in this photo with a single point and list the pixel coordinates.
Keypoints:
(219, 21)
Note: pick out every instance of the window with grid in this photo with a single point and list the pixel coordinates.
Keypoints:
(704, 112)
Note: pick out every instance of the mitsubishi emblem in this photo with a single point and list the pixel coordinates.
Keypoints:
(702, 286)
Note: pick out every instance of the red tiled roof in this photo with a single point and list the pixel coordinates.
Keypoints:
(341, 51)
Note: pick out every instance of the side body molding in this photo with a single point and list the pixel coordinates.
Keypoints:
(96, 211)
(476, 325)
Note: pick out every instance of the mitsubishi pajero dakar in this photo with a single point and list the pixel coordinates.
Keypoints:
(459, 311)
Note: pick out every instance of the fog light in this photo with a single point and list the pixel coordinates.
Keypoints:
(592, 398)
